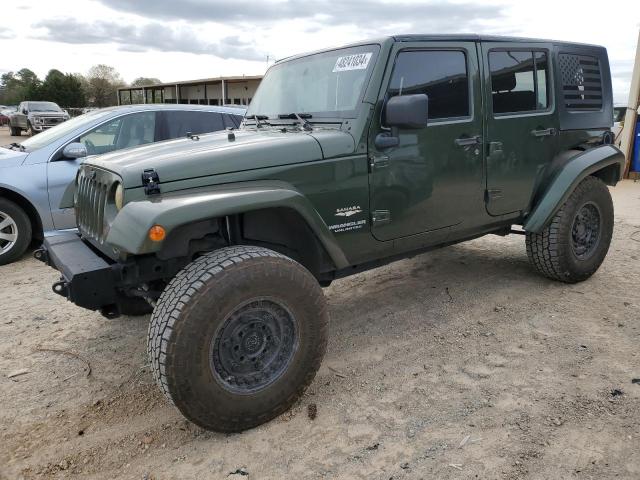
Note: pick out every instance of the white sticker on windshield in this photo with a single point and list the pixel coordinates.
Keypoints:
(358, 61)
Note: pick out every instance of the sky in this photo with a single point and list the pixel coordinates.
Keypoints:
(190, 39)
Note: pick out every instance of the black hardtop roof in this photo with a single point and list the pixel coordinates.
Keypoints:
(463, 37)
(445, 37)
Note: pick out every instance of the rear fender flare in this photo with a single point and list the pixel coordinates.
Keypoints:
(576, 169)
(128, 232)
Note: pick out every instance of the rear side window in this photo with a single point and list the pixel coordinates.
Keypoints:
(177, 123)
(581, 81)
(231, 121)
(519, 81)
(442, 75)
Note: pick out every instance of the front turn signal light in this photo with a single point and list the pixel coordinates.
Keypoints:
(157, 233)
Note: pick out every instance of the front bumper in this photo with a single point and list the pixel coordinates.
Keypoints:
(86, 278)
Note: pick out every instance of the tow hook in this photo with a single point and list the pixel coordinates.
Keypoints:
(41, 254)
(61, 288)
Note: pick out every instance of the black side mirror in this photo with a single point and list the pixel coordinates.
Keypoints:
(407, 111)
(25, 111)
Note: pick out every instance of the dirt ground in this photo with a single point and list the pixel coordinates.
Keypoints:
(457, 364)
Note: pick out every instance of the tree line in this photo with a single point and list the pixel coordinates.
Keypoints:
(98, 88)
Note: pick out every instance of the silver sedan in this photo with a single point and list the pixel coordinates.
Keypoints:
(35, 174)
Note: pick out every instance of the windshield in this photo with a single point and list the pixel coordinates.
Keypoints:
(327, 84)
(43, 107)
(63, 129)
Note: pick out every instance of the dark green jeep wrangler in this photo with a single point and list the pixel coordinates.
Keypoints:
(347, 159)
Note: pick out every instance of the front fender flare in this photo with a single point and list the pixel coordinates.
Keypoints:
(128, 232)
(567, 179)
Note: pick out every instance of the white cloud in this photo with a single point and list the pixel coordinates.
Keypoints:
(179, 40)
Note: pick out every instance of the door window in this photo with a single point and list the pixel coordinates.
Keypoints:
(518, 81)
(123, 132)
(441, 75)
(177, 123)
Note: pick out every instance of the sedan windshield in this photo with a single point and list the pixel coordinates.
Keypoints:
(44, 107)
(327, 84)
(59, 131)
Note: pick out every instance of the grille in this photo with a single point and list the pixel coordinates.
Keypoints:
(581, 82)
(52, 121)
(92, 188)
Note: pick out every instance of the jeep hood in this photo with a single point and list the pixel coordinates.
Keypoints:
(11, 158)
(216, 153)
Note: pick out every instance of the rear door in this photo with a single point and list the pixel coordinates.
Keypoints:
(433, 178)
(521, 122)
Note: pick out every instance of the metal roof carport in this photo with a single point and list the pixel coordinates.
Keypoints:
(238, 90)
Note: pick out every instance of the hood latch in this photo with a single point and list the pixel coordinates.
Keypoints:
(151, 181)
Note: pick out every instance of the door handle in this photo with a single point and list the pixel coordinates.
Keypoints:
(466, 141)
(544, 132)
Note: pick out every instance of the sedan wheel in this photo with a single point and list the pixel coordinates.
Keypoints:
(8, 232)
(15, 231)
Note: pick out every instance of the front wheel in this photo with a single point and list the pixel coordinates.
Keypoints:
(15, 231)
(572, 247)
(237, 336)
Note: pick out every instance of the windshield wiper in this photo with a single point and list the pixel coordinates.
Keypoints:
(300, 117)
(258, 119)
(19, 146)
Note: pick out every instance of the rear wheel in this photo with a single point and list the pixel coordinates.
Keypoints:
(15, 231)
(237, 336)
(15, 131)
(573, 246)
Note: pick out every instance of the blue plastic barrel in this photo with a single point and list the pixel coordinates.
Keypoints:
(635, 164)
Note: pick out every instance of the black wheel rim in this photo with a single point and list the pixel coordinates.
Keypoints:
(585, 231)
(254, 346)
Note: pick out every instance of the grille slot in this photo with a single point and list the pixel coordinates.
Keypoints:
(92, 189)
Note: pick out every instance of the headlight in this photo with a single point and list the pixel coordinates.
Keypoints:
(119, 197)
(37, 119)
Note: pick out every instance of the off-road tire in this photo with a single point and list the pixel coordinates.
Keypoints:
(15, 131)
(30, 130)
(551, 251)
(24, 232)
(198, 304)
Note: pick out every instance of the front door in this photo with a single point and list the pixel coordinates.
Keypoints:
(433, 178)
(520, 121)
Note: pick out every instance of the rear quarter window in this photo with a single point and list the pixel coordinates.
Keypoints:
(581, 81)
(178, 123)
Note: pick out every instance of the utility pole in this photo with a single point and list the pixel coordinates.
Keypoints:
(629, 130)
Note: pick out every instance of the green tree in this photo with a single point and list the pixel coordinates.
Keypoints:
(103, 82)
(64, 89)
(144, 81)
(20, 86)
